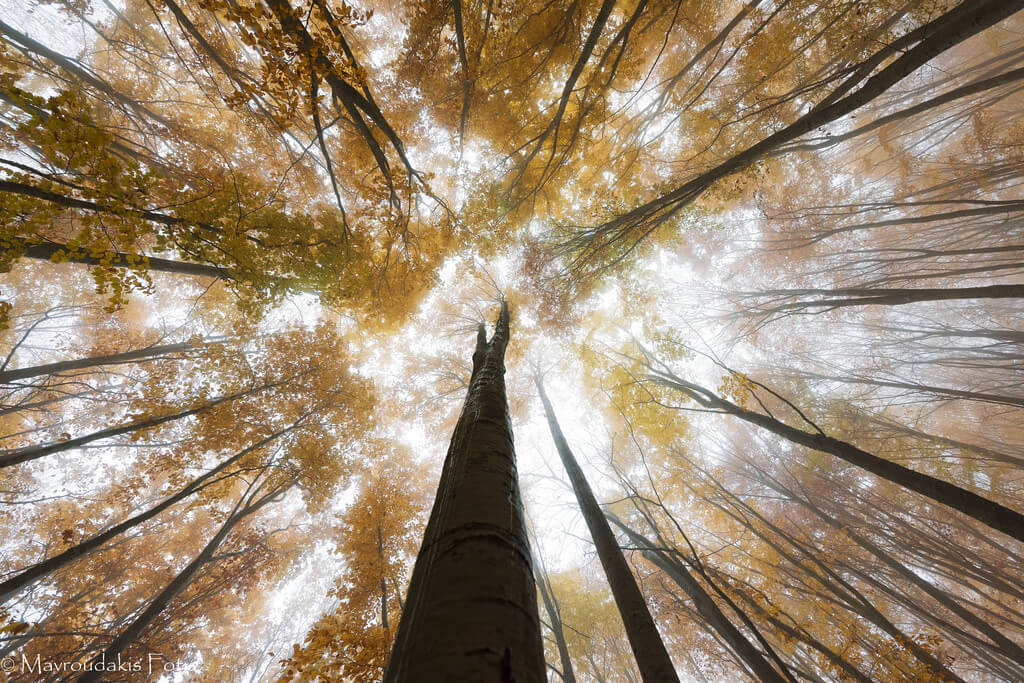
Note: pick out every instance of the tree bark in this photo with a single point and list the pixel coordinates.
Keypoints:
(652, 659)
(471, 612)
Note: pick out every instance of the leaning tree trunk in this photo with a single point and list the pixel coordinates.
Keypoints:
(995, 515)
(547, 594)
(648, 649)
(704, 604)
(93, 362)
(94, 668)
(471, 613)
(26, 577)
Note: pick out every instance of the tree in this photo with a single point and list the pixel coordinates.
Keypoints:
(474, 548)
(376, 538)
(648, 648)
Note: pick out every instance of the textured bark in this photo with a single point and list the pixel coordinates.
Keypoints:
(705, 606)
(471, 612)
(652, 659)
(95, 361)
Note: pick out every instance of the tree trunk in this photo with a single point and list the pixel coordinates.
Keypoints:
(30, 575)
(557, 629)
(46, 252)
(471, 612)
(705, 606)
(915, 49)
(383, 583)
(121, 642)
(990, 513)
(95, 361)
(1002, 644)
(652, 659)
(843, 298)
(20, 455)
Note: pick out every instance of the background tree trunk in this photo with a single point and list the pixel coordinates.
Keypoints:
(651, 657)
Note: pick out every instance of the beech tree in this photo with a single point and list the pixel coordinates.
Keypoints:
(474, 549)
(651, 657)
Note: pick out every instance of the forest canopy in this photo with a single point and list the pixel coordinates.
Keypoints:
(709, 315)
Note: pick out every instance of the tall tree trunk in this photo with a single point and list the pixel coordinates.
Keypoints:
(915, 49)
(17, 456)
(471, 612)
(555, 616)
(652, 659)
(30, 575)
(849, 596)
(131, 633)
(383, 583)
(1002, 643)
(994, 515)
(95, 361)
(706, 607)
(118, 259)
(831, 299)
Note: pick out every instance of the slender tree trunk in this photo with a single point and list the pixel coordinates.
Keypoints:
(652, 659)
(799, 634)
(706, 607)
(915, 49)
(95, 361)
(119, 259)
(849, 597)
(20, 455)
(990, 513)
(841, 298)
(1002, 644)
(30, 575)
(471, 612)
(555, 616)
(383, 583)
(131, 633)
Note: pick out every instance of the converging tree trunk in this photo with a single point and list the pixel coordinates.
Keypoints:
(704, 605)
(471, 612)
(651, 657)
(547, 594)
(94, 361)
(26, 577)
(988, 512)
(95, 667)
